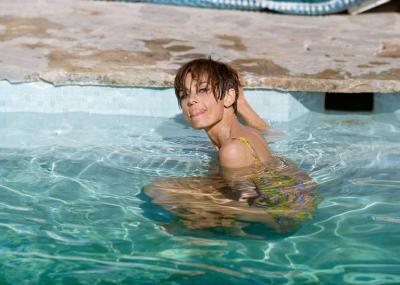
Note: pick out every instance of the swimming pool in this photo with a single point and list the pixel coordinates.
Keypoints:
(71, 214)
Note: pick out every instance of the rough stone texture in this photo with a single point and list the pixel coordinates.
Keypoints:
(132, 44)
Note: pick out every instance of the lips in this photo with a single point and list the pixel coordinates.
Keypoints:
(196, 112)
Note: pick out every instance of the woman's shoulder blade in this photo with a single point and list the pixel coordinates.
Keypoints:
(235, 154)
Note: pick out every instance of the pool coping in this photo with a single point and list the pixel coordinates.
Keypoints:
(142, 45)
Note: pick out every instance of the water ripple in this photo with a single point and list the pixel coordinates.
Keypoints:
(70, 209)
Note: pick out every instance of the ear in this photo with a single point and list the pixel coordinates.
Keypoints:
(229, 98)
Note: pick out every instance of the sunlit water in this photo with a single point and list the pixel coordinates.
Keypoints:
(70, 211)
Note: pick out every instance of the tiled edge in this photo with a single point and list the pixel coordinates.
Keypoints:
(284, 106)
(45, 98)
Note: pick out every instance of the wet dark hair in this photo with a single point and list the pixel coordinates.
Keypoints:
(220, 76)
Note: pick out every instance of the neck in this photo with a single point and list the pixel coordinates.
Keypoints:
(220, 132)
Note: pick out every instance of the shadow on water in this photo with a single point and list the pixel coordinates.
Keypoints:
(178, 131)
(177, 127)
(179, 119)
(152, 211)
(170, 126)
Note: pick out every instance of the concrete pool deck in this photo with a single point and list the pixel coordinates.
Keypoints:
(142, 45)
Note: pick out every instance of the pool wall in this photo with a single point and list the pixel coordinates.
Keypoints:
(272, 105)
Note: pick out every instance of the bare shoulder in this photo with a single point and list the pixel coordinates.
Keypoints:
(235, 154)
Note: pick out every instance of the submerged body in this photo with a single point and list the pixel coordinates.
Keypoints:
(276, 185)
(284, 197)
(273, 192)
(252, 185)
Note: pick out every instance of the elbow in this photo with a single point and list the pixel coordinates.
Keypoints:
(262, 126)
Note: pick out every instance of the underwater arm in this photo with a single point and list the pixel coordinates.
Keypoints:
(198, 201)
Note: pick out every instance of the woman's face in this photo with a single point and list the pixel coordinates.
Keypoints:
(199, 107)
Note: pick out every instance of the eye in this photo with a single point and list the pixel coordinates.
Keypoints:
(203, 90)
(182, 95)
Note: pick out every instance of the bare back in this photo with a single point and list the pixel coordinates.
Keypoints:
(257, 142)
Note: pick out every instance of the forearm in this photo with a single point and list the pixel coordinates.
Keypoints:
(251, 118)
(240, 186)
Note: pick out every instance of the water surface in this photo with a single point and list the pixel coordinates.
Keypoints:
(70, 211)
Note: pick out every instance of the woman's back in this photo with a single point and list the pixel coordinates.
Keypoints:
(255, 143)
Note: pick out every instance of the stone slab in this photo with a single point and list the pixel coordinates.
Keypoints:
(135, 44)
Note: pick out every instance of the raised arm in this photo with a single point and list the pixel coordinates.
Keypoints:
(247, 113)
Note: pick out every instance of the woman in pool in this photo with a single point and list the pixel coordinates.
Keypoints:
(254, 185)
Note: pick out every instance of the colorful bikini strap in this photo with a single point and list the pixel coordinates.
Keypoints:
(253, 153)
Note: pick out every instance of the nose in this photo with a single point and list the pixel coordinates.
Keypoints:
(192, 98)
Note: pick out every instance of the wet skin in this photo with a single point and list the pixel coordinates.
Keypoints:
(201, 202)
(199, 107)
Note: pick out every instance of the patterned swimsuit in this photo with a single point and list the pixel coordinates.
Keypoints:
(278, 193)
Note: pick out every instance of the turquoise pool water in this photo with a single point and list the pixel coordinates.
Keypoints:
(70, 211)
